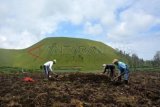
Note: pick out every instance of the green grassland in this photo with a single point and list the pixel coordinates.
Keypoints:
(70, 53)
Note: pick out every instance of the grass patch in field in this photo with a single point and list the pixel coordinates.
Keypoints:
(84, 53)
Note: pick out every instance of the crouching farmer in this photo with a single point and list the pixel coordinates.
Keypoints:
(47, 67)
(110, 69)
(123, 70)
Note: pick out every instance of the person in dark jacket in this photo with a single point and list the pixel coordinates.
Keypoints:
(110, 69)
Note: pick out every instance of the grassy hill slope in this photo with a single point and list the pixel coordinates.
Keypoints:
(69, 52)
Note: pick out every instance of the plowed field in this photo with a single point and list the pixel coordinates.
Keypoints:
(79, 90)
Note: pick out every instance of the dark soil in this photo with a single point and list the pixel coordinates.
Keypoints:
(80, 90)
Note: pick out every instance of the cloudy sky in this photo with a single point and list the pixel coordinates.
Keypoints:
(129, 25)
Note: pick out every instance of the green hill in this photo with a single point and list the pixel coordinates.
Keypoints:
(69, 53)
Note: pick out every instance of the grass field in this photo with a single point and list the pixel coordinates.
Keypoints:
(69, 52)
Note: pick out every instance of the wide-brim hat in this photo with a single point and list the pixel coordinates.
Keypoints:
(114, 61)
(54, 61)
(104, 65)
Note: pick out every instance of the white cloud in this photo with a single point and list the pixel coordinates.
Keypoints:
(94, 30)
(40, 17)
(2, 39)
(149, 6)
(10, 38)
(28, 21)
(132, 24)
(144, 47)
(133, 33)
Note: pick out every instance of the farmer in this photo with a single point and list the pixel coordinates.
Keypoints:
(48, 68)
(110, 69)
(123, 70)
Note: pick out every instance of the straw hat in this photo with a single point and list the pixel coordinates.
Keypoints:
(104, 65)
(54, 60)
(114, 61)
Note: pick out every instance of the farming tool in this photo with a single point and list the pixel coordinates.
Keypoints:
(114, 79)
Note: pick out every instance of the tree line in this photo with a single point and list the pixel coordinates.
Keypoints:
(135, 62)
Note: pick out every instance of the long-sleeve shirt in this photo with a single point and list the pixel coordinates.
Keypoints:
(49, 64)
(109, 67)
(122, 66)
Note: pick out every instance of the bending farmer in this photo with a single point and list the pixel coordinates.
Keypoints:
(110, 69)
(123, 70)
(48, 68)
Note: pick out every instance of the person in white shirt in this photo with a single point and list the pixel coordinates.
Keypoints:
(48, 68)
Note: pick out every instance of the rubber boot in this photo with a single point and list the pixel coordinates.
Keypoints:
(126, 81)
(119, 79)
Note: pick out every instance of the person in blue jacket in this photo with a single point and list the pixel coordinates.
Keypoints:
(123, 70)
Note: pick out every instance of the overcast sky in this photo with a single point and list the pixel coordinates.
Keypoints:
(129, 25)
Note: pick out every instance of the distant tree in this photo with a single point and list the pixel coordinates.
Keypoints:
(141, 63)
(129, 59)
(149, 63)
(156, 59)
(135, 61)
